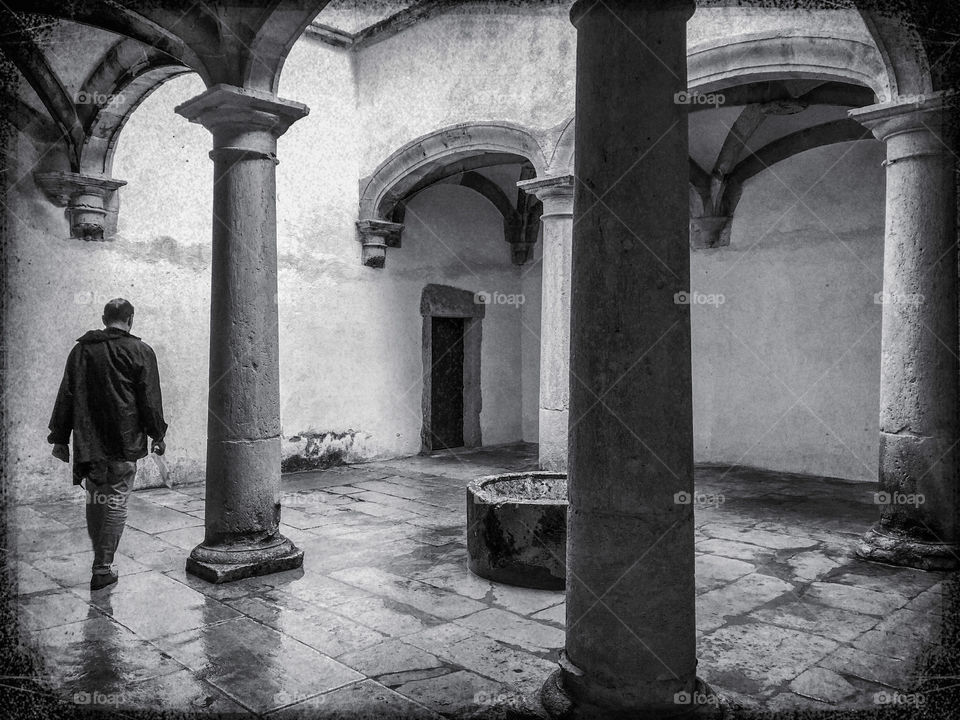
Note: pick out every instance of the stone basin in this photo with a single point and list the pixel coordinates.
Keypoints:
(517, 529)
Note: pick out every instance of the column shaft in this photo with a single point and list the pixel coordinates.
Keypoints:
(242, 512)
(243, 425)
(630, 644)
(556, 193)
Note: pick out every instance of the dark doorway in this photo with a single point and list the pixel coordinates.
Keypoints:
(446, 386)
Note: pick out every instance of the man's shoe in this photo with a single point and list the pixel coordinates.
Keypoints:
(101, 581)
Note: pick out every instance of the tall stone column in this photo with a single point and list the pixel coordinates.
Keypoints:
(631, 638)
(556, 194)
(242, 518)
(919, 408)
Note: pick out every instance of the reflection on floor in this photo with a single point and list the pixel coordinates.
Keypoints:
(384, 620)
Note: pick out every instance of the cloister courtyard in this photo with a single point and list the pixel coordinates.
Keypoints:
(682, 275)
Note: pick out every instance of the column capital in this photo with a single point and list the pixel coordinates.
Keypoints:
(228, 105)
(583, 7)
(917, 126)
(556, 192)
(376, 236)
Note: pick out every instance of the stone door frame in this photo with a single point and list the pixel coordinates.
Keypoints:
(447, 301)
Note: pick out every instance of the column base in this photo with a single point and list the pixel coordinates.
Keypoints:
(883, 546)
(223, 564)
(703, 704)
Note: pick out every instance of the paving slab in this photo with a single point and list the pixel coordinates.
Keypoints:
(364, 700)
(850, 597)
(767, 654)
(321, 629)
(390, 657)
(514, 629)
(154, 605)
(420, 595)
(256, 665)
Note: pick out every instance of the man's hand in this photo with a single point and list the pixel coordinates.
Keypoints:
(61, 452)
(158, 447)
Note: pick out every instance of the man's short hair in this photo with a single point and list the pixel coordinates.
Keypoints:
(117, 310)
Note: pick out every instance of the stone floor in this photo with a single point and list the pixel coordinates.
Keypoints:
(384, 620)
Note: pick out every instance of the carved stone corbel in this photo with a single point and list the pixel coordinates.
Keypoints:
(89, 201)
(376, 236)
(710, 232)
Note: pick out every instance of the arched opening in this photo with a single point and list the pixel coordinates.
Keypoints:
(466, 226)
(787, 215)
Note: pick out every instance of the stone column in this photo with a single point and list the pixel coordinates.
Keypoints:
(243, 432)
(556, 194)
(630, 616)
(919, 416)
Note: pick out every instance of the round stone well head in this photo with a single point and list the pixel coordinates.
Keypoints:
(517, 529)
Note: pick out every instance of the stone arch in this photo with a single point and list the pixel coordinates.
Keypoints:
(561, 161)
(125, 21)
(25, 54)
(282, 25)
(902, 52)
(745, 60)
(766, 56)
(128, 73)
(463, 145)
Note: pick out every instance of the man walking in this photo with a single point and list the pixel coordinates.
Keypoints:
(110, 400)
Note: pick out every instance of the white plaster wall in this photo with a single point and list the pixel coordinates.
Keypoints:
(787, 369)
(350, 336)
(478, 62)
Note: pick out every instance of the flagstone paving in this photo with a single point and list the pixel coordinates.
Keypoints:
(385, 621)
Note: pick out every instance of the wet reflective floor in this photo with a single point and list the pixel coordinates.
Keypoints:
(385, 621)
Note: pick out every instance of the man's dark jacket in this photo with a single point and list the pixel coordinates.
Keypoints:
(109, 398)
